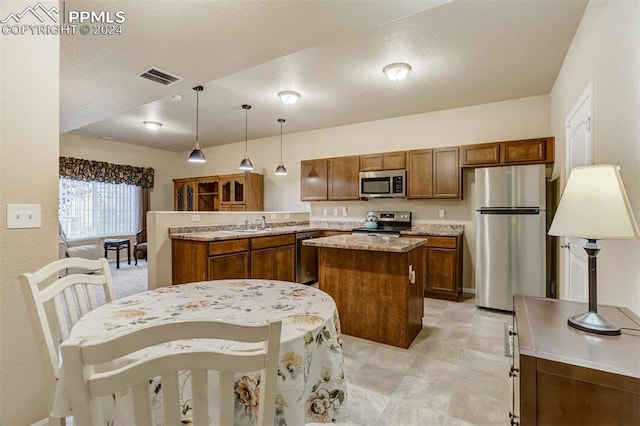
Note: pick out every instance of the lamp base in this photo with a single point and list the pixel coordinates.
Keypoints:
(592, 322)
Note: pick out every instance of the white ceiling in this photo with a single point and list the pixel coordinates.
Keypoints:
(332, 52)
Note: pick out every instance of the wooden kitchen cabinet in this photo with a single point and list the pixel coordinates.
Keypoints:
(526, 151)
(343, 178)
(383, 161)
(434, 173)
(563, 376)
(242, 192)
(446, 174)
(236, 192)
(273, 257)
(184, 193)
(201, 260)
(208, 194)
(442, 266)
(420, 174)
(313, 180)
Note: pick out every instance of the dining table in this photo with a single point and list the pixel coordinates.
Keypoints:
(311, 385)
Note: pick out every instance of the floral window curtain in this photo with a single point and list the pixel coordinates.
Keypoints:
(100, 171)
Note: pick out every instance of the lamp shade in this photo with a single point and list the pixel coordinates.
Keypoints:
(594, 205)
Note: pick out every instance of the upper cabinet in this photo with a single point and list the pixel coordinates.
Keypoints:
(343, 181)
(313, 180)
(242, 192)
(526, 151)
(383, 161)
(330, 179)
(434, 173)
(236, 192)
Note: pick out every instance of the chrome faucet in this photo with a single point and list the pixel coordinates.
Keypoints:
(263, 222)
(246, 224)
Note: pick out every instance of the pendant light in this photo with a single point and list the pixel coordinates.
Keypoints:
(196, 155)
(246, 164)
(281, 170)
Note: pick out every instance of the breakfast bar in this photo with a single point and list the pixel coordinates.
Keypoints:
(377, 285)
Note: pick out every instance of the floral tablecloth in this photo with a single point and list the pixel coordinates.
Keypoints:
(311, 386)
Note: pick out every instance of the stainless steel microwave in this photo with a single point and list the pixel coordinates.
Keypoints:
(383, 184)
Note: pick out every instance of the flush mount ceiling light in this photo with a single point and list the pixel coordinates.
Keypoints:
(289, 97)
(281, 170)
(152, 125)
(196, 155)
(397, 72)
(246, 164)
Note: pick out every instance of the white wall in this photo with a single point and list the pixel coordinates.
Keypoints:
(29, 126)
(605, 51)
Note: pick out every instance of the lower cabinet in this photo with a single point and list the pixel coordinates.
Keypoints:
(442, 263)
(272, 258)
(226, 266)
(268, 257)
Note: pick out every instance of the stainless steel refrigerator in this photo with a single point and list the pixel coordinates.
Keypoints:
(510, 234)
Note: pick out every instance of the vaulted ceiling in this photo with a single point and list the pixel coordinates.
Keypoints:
(332, 52)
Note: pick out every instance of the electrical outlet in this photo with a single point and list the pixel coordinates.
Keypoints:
(441, 213)
(324, 212)
(272, 216)
(23, 216)
(335, 212)
(195, 218)
(344, 211)
(287, 216)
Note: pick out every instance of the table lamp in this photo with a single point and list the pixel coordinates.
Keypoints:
(594, 206)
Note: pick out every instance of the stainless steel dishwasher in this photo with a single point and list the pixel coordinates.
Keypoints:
(306, 258)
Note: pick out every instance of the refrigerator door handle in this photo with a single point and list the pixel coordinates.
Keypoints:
(502, 210)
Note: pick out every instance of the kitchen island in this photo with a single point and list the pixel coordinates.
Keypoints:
(376, 283)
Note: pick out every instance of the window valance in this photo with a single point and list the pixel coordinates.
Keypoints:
(100, 171)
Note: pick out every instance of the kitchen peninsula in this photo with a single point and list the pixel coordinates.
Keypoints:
(377, 284)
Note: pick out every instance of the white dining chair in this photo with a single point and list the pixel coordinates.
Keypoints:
(85, 385)
(69, 297)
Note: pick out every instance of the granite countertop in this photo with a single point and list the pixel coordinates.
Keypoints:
(367, 242)
(437, 230)
(232, 232)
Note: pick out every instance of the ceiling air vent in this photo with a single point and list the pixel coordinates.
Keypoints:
(160, 76)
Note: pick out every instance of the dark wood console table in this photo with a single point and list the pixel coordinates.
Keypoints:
(563, 376)
(115, 244)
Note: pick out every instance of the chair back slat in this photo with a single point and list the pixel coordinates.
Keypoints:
(171, 398)
(200, 397)
(44, 287)
(141, 404)
(197, 361)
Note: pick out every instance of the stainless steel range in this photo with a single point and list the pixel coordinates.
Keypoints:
(388, 224)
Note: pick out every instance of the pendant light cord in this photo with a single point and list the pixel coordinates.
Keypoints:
(246, 142)
(197, 115)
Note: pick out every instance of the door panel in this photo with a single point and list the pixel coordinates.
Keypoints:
(579, 150)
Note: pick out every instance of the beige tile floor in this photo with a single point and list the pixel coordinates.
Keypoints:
(454, 373)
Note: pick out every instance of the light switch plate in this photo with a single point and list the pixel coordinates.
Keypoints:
(441, 213)
(287, 216)
(272, 216)
(24, 216)
(195, 218)
(335, 212)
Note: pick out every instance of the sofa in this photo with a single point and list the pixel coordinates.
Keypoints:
(90, 248)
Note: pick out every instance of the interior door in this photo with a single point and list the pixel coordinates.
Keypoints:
(579, 150)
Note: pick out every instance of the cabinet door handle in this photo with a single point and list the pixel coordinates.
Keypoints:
(512, 333)
(512, 419)
(513, 371)
(568, 245)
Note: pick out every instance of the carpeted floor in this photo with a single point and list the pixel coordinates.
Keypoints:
(129, 279)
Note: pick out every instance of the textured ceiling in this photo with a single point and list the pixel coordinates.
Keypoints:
(332, 52)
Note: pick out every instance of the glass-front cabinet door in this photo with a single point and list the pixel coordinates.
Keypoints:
(232, 190)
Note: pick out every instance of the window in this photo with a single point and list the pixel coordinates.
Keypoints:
(88, 209)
